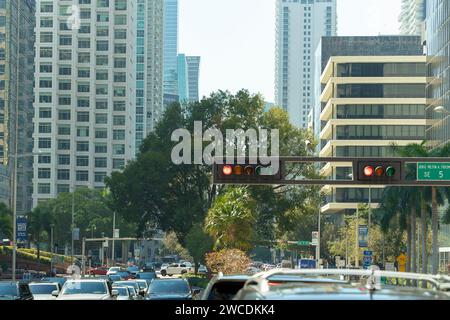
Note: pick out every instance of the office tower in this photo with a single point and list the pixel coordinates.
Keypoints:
(438, 48)
(193, 66)
(85, 93)
(149, 67)
(412, 17)
(182, 73)
(17, 20)
(299, 26)
(368, 102)
(170, 49)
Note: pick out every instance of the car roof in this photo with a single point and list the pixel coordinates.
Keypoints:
(235, 277)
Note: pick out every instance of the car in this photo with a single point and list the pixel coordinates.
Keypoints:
(147, 276)
(177, 269)
(224, 287)
(113, 270)
(334, 284)
(163, 266)
(132, 291)
(131, 283)
(170, 289)
(115, 277)
(15, 290)
(202, 269)
(143, 285)
(44, 290)
(133, 270)
(86, 289)
(99, 271)
(123, 293)
(125, 275)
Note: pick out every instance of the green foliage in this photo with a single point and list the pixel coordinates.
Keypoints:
(230, 221)
(198, 243)
(199, 281)
(171, 246)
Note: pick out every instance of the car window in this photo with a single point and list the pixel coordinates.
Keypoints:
(225, 290)
(43, 288)
(123, 291)
(169, 286)
(8, 289)
(81, 287)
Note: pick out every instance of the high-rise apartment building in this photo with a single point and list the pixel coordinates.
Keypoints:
(193, 66)
(17, 20)
(412, 17)
(299, 26)
(149, 67)
(170, 47)
(85, 93)
(438, 89)
(368, 103)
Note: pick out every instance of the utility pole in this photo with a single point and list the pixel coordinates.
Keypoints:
(370, 215)
(114, 234)
(318, 242)
(357, 238)
(73, 222)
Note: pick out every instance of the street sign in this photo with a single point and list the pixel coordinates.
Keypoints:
(315, 238)
(22, 235)
(363, 236)
(303, 243)
(105, 244)
(432, 171)
(76, 233)
(116, 233)
(367, 259)
(307, 264)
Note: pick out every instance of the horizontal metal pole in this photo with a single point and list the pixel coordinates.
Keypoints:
(343, 183)
(351, 159)
(119, 239)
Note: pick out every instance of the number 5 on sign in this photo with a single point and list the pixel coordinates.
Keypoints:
(441, 174)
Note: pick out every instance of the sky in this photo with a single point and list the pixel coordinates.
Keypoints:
(236, 38)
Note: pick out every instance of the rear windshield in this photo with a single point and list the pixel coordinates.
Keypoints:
(225, 290)
(168, 286)
(42, 288)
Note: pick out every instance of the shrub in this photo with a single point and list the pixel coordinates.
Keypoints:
(196, 280)
(228, 261)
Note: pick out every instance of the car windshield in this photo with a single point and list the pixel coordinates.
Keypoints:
(126, 283)
(123, 273)
(80, 287)
(122, 291)
(42, 288)
(8, 289)
(142, 284)
(169, 286)
(149, 275)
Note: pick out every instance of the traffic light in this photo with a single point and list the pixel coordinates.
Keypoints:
(378, 172)
(246, 173)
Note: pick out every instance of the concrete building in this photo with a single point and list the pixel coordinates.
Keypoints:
(438, 89)
(149, 67)
(85, 93)
(17, 20)
(368, 103)
(412, 17)
(193, 66)
(170, 43)
(299, 26)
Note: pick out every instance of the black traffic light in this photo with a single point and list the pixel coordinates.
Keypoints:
(378, 172)
(246, 173)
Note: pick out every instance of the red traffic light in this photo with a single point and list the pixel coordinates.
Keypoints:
(227, 170)
(368, 171)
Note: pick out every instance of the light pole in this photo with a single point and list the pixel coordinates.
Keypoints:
(73, 224)
(114, 235)
(370, 214)
(51, 247)
(357, 238)
(441, 109)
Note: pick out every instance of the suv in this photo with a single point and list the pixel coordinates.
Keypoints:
(177, 269)
(86, 289)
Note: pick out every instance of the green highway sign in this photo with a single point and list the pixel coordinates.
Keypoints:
(303, 243)
(429, 171)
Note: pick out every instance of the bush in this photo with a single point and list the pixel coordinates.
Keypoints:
(196, 280)
(228, 261)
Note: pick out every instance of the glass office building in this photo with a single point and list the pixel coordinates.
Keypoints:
(170, 47)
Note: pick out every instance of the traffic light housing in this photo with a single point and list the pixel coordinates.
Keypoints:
(246, 173)
(379, 172)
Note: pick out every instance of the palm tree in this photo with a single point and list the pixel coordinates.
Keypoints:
(39, 222)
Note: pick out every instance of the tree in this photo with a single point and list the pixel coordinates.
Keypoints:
(230, 221)
(39, 222)
(198, 243)
(5, 221)
(171, 246)
(228, 261)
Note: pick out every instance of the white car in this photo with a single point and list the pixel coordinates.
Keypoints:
(86, 289)
(113, 270)
(202, 269)
(177, 269)
(44, 290)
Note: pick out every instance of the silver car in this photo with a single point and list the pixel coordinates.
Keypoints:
(44, 290)
(86, 289)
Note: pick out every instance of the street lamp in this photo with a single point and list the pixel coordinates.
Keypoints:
(441, 109)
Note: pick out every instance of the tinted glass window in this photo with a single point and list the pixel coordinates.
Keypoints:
(42, 288)
(167, 286)
(84, 288)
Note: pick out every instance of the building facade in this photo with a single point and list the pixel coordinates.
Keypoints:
(182, 74)
(438, 89)
(85, 93)
(368, 103)
(299, 26)
(170, 47)
(149, 67)
(17, 20)
(412, 17)
(193, 66)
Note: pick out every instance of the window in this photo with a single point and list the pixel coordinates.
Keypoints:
(45, 98)
(45, 127)
(102, 75)
(118, 149)
(120, 34)
(121, 4)
(65, 40)
(63, 174)
(82, 176)
(44, 159)
(119, 120)
(46, 37)
(44, 173)
(64, 115)
(83, 87)
(103, 17)
(102, 3)
(102, 45)
(83, 132)
(120, 48)
(84, 43)
(85, 29)
(44, 188)
(63, 159)
(65, 70)
(83, 161)
(83, 103)
(119, 91)
(102, 31)
(119, 105)
(65, 85)
(46, 7)
(64, 130)
(46, 68)
(118, 134)
(45, 143)
(83, 146)
(84, 73)
(119, 77)
(118, 164)
(45, 83)
(101, 162)
(101, 118)
(120, 63)
(63, 144)
(83, 116)
(45, 52)
(84, 57)
(101, 89)
(101, 104)
(65, 55)
(120, 20)
(102, 60)
(99, 176)
(101, 134)
(62, 188)
(45, 113)
(101, 148)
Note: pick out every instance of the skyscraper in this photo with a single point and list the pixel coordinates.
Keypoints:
(412, 17)
(149, 67)
(193, 65)
(438, 46)
(170, 47)
(182, 73)
(299, 26)
(85, 93)
(17, 20)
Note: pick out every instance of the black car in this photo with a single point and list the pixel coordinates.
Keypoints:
(224, 287)
(15, 290)
(170, 289)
